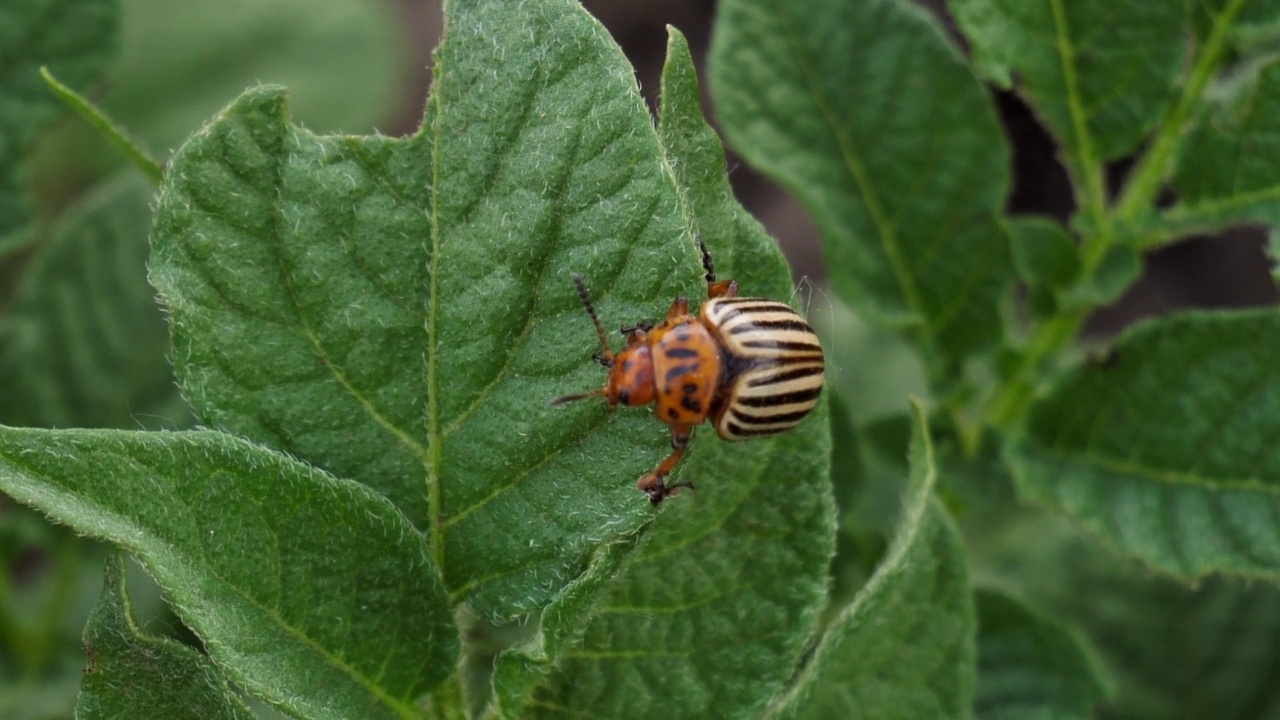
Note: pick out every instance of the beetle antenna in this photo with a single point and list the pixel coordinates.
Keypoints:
(604, 340)
(577, 396)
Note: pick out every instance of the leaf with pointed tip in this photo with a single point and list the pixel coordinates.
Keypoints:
(1098, 72)
(76, 40)
(1166, 449)
(1031, 666)
(400, 311)
(905, 646)
(84, 344)
(868, 115)
(132, 675)
(311, 592)
(716, 607)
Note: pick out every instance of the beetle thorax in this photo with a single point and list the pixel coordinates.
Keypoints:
(631, 378)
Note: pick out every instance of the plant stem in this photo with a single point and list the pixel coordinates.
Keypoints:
(116, 135)
(1008, 405)
(1147, 179)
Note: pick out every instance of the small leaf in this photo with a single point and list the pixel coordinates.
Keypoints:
(400, 312)
(1030, 666)
(868, 115)
(84, 344)
(1043, 252)
(1165, 451)
(76, 40)
(1099, 73)
(132, 675)
(311, 592)
(750, 549)
(1116, 271)
(1229, 171)
(905, 646)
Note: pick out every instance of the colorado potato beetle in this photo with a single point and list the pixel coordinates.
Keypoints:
(752, 366)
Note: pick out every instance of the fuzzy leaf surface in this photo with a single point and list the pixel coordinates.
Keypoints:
(1166, 450)
(400, 311)
(905, 646)
(132, 675)
(749, 549)
(311, 592)
(865, 112)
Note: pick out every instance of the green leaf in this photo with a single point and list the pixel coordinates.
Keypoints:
(132, 675)
(670, 641)
(76, 40)
(1098, 73)
(517, 672)
(1031, 666)
(400, 312)
(1172, 652)
(905, 646)
(1046, 259)
(865, 112)
(1118, 268)
(311, 592)
(84, 343)
(1229, 171)
(1165, 450)
(1043, 253)
(1254, 25)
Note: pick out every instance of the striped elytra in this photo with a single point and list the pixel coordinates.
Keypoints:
(774, 370)
(751, 366)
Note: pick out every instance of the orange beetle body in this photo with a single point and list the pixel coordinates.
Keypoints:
(751, 366)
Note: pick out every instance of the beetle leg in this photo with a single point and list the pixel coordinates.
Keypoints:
(637, 336)
(722, 289)
(654, 483)
(679, 308)
(643, 326)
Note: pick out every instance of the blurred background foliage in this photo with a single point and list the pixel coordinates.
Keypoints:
(82, 343)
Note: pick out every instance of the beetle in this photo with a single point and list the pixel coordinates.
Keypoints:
(751, 366)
